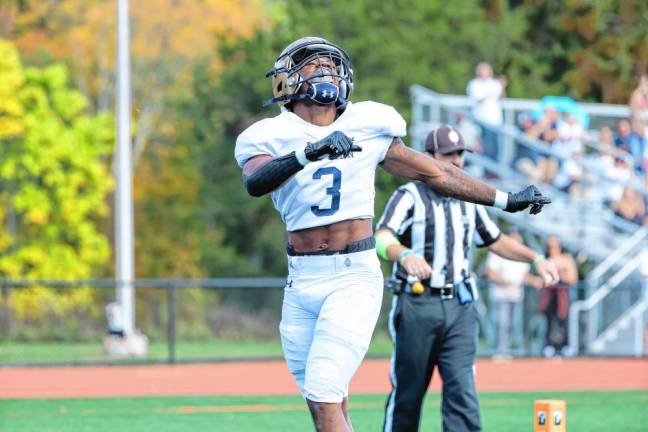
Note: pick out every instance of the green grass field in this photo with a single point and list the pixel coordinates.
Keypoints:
(20, 352)
(501, 412)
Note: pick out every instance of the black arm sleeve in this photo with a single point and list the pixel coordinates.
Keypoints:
(271, 175)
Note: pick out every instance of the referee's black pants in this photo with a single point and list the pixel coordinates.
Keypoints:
(428, 331)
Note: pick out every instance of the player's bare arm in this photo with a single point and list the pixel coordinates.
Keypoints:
(441, 176)
(453, 182)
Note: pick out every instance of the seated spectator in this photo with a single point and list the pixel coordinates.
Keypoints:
(544, 168)
(626, 138)
(619, 174)
(570, 135)
(469, 131)
(570, 176)
(631, 207)
(613, 172)
(639, 100)
(525, 122)
(546, 128)
(638, 147)
(606, 137)
(471, 134)
(541, 168)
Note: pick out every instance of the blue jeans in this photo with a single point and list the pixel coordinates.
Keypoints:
(506, 317)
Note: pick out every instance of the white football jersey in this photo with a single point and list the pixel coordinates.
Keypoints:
(325, 191)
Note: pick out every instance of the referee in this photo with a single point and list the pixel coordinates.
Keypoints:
(434, 322)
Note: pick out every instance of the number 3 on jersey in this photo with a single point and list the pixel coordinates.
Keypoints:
(334, 191)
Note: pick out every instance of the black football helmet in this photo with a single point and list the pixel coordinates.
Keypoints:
(324, 86)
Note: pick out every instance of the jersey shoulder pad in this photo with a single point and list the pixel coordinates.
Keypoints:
(382, 117)
(258, 139)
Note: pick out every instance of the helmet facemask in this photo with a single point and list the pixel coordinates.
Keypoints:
(324, 85)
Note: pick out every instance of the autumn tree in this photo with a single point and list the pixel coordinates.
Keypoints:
(53, 185)
(168, 37)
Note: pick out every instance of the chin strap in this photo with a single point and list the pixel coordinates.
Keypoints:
(323, 93)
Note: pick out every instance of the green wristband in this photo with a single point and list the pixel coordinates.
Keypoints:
(404, 254)
(537, 260)
(383, 241)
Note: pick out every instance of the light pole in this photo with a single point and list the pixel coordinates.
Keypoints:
(124, 249)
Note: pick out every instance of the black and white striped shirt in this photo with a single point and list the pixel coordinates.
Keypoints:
(439, 228)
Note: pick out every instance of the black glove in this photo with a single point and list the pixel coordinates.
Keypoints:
(335, 145)
(530, 196)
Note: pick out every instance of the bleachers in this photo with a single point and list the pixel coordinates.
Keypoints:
(604, 322)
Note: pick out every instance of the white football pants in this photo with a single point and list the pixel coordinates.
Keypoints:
(330, 308)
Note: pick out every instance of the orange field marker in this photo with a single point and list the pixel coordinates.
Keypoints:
(549, 416)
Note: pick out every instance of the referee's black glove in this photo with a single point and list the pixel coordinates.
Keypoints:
(530, 197)
(334, 145)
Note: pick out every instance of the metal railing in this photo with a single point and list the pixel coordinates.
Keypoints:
(635, 315)
(633, 261)
(430, 109)
(169, 285)
(423, 96)
(620, 254)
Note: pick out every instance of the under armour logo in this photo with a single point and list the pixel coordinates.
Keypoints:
(327, 94)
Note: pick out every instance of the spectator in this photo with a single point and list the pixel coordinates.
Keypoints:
(546, 128)
(631, 207)
(469, 131)
(570, 134)
(626, 138)
(471, 135)
(638, 147)
(606, 137)
(485, 91)
(614, 172)
(506, 281)
(553, 302)
(543, 168)
(639, 100)
(598, 165)
(570, 176)
(525, 121)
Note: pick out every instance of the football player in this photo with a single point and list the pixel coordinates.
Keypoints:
(317, 159)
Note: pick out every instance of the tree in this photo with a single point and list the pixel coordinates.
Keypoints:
(164, 46)
(590, 50)
(241, 234)
(53, 185)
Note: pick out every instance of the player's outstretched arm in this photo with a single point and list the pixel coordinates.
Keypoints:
(263, 173)
(451, 181)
